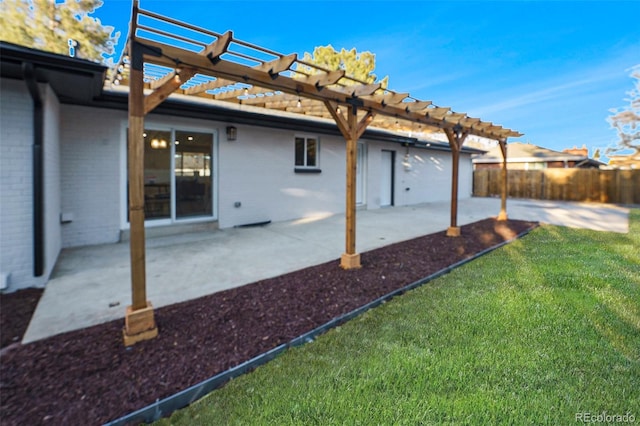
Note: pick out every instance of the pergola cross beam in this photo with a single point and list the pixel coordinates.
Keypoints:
(276, 66)
(214, 50)
(168, 87)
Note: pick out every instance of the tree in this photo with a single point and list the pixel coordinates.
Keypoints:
(48, 25)
(626, 120)
(356, 65)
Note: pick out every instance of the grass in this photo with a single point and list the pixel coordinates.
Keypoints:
(533, 333)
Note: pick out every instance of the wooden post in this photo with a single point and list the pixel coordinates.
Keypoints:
(139, 319)
(503, 194)
(351, 129)
(456, 139)
(350, 259)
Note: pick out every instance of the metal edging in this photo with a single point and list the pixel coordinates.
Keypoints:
(168, 405)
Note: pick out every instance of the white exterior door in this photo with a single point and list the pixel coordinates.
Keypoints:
(386, 176)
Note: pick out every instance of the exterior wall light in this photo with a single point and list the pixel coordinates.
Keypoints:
(232, 133)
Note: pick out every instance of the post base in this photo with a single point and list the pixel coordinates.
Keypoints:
(453, 231)
(139, 325)
(350, 261)
(502, 216)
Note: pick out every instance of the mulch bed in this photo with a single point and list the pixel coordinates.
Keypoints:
(15, 313)
(89, 377)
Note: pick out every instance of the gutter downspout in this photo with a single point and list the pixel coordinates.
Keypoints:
(28, 72)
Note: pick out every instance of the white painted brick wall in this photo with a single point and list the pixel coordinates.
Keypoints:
(465, 184)
(428, 178)
(16, 211)
(51, 154)
(257, 170)
(90, 174)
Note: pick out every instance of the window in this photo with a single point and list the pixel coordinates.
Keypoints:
(306, 150)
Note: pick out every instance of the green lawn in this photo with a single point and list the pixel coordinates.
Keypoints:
(532, 333)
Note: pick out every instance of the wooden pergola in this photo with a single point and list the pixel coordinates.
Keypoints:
(166, 56)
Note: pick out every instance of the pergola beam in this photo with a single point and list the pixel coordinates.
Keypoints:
(358, 90)
(209, 85)
(171, 85)
(276, 66)
(416, 106)
(437, 113)
(216, 49)
(321, 80)
(391, 98)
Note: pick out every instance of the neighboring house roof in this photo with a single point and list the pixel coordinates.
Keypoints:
(518, 152)
(584, 151)
(81, 82)
(629, 161)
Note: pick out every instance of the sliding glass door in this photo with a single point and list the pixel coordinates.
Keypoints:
(178, 175)
(193, 174)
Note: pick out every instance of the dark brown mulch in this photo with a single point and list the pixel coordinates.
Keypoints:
(15, 313)
(89, 377)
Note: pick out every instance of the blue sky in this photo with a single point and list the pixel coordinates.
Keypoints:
(551, 70)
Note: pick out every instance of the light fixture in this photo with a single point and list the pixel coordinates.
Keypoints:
(158, 144)
(299, 104)
(338, 109)
(232, 133)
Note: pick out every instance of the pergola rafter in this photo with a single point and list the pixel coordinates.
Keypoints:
(193, 61)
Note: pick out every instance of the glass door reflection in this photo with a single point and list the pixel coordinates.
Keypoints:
(193, 174)
(157, 174)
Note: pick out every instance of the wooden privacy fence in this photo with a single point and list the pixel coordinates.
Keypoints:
(605, 186)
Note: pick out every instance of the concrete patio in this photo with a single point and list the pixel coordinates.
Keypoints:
(91, 285)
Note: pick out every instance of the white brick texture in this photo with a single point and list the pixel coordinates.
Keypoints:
(90, 174)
